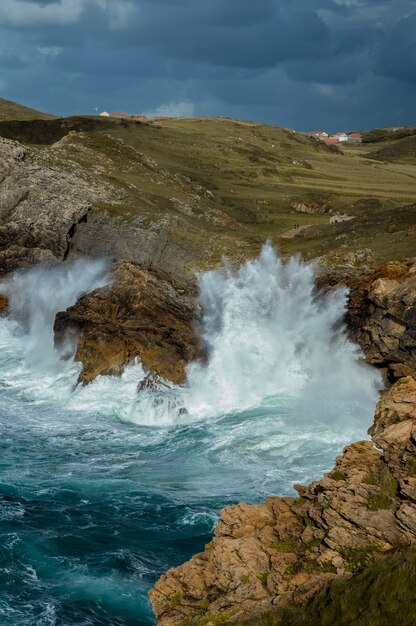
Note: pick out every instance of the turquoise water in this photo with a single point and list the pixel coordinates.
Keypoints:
(93, 510)
(101, 491)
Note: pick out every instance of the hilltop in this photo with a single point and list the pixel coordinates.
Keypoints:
(402, 150)
(13, 111)
(202, 188)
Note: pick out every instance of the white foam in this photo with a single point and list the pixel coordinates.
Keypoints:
(272, 343)
(36, 296)
(273, 347)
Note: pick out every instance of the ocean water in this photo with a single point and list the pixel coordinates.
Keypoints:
(102, 489)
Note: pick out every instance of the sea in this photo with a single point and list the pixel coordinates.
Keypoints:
(103, 489)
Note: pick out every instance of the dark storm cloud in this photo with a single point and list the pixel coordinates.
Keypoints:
(302, 63)
(397, 57)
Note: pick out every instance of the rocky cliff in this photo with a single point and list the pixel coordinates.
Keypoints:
(382, 317)
(40, 208)
(288, 549)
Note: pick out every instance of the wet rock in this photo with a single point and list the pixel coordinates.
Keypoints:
(4, 304)
(153, 382)
(382, 316)
(20, 258)
(143, 314)
(288, 549)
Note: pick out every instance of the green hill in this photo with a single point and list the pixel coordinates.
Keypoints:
(401, 150)
(219, 186)
(13, 111)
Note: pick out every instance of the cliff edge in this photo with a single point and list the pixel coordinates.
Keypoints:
(288, 549)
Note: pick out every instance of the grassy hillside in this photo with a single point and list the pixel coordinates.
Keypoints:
(385, 134)
(223, 187)
(397, 151)
(383, 595)
(13, 111)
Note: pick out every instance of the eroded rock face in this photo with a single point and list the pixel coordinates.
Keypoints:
(39, 209)
(382, 317)
(145, 314)
(288, 549)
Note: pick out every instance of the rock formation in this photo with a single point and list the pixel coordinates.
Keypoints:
(151, 314)
(382, 316)
(144, 313)
(39, 209)
(288, 549)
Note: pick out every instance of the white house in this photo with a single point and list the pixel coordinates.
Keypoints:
(341, 136)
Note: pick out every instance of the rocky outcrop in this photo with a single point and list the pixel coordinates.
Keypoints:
(312, 207)
(133, 241)
(384, 594)
(39, 209)
(143, 314)
(288, 549)
(382, 317)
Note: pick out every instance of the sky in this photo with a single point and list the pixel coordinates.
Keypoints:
(304, 64)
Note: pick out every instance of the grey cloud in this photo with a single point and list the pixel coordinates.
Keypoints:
(396, 57)
(301, 63)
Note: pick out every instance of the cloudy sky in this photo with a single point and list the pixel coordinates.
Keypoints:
(306, 64)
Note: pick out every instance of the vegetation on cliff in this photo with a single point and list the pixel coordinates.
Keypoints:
(382, 595)
(181, 193)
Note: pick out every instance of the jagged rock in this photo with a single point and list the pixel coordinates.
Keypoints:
(145, 314)
(39, 208)
(311, 207)
(288, 549)
(18, 257)
(382, 316)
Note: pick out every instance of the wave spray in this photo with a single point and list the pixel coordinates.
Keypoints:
(270, 338)
(36, 296)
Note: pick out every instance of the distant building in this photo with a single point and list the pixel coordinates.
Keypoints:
(119, 114)
(104, 114)
(355, 137)
(331, 139)
(341, 136)
(138, 117)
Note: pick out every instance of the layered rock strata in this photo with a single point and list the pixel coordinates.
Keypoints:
(39, 209)
(382, 316)
(288, 549)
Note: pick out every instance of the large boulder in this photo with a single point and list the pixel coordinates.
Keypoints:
(144, 314)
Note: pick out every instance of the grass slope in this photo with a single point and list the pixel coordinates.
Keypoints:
(222, 186)
(399, 151)
(13, 111)
(383, 595)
